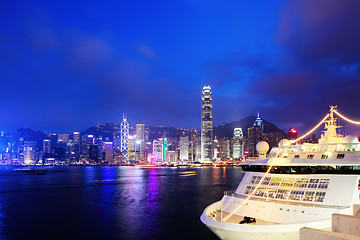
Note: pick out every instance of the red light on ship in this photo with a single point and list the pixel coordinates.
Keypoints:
(293, 130)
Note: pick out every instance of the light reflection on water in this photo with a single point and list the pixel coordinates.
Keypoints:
(110, 202)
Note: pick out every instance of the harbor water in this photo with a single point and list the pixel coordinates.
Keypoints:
(110, 202)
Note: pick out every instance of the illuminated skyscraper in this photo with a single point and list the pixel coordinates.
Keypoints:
(63, 137)
(109, 152)
(125, 137)
(76, 137)
(225, 150)
(238, 148)
(255, 135)
(140, 140)
(158, 149)
(259, 123)
(206, 125)
(184, 148)
(29, 152)
(170, 156)
(46, 146)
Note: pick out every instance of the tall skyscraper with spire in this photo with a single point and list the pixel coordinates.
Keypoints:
(206, 125)
(125, 137)
(255, 135)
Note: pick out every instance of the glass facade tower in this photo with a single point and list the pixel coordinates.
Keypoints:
(206, 125)
(238, 147)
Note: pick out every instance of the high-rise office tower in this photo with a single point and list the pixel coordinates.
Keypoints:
(125, 137)
(259, 122)
(158, 149)
(255, 136)
(206, 125)
(170, 156)
(63, 137)
(131, 153)
(117, 137)
(225, 149)
(238, 148)
(184, 148)
(29, 152)
(140, 140)
(46, 146)
(109, 152)
(76, 137)
(140, 131)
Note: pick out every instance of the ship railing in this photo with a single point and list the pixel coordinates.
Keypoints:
(291, 202)
(229, 192)
(327, 147)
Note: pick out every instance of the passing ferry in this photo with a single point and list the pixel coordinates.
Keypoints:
(294, 186)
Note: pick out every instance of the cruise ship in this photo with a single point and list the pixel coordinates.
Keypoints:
(294, 186)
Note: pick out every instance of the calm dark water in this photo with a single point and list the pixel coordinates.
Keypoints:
(110, 202)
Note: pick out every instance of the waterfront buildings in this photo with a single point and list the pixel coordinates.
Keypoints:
(206, 125)
(170, 144)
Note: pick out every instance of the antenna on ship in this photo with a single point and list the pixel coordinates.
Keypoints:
(330, 133)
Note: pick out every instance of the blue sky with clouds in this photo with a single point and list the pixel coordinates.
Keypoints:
(67, 65)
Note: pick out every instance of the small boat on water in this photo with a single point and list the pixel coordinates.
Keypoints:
(31, 171)
(187, 173)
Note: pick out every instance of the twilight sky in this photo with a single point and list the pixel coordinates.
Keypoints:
(68, 65)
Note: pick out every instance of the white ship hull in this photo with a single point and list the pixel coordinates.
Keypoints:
(230, 231)
(255, 232)
(230, 235)
(278, 219)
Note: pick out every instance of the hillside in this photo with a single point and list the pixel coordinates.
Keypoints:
(227, 129)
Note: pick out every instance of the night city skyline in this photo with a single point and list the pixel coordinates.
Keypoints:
(66, 67)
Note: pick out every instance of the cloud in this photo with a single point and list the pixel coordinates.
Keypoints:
(90, 51)
(147, 52)
(322, 29)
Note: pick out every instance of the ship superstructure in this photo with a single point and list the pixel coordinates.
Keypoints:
(294, 186)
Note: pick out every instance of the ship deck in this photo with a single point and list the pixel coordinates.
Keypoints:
(288, 202)
(236, 219)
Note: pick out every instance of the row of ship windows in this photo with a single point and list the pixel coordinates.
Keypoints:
(328, 148)
(291, 182)
(288, 210)
(323, 156)
(283, 194)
